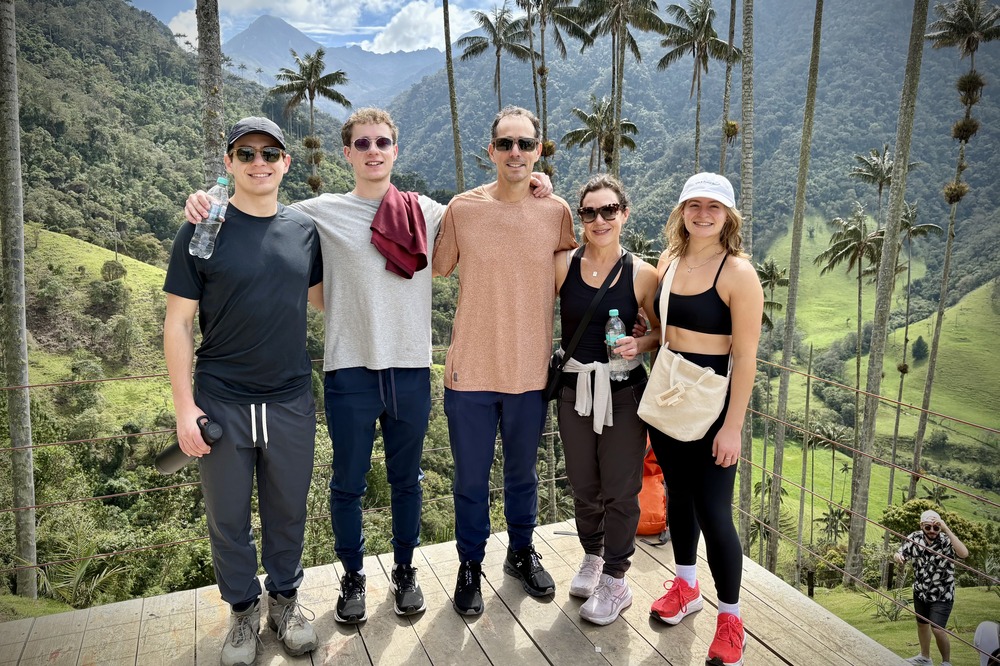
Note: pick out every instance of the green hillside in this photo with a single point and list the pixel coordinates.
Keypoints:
(65, 328)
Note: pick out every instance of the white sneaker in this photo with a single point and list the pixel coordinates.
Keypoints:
(945, 663)
(920, 660)
(612, 596)
(585, 582)
(285, 617)
(242, 641)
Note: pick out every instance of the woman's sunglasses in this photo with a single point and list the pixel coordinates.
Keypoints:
(608, 212)
(364, 144)
(246, 154)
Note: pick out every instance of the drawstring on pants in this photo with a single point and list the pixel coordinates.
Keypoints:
(263, 423)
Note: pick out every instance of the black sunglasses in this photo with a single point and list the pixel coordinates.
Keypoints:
(608, 212)
(930, 528)
(246, 154)
(363, 144)
(526, 144)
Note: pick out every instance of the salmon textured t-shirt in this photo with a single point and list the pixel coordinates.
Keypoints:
(501, 339)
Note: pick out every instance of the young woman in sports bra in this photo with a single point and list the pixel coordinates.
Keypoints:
(603, 438)
(715, 308)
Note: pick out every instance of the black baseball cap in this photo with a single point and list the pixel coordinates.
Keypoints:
(255, 125)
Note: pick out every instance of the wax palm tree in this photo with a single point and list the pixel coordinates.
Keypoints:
(852, 243)
(795, 257)
(771, 277)
(563, 17)
(875, 168)
(503, 34)
(937, 494)
(456, 137)
(617, 19)
(730, 128)
(909, 229)
(693, 34)
(965, 24)
(210, 62)
(13, 324)
(833, 435)
(861, 480)
(746, 207)
(639, 245)
(258, 72)
(305, 83)
(527, 24)
(597, 131)
(835, 522)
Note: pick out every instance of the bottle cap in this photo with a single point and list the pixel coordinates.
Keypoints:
(613, 313)
(221, 180)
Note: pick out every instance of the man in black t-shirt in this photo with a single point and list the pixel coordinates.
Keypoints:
(253, 377)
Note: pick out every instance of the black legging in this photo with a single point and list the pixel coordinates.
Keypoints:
(701, 498)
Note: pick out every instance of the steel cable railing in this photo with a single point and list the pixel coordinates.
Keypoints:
(803, 430)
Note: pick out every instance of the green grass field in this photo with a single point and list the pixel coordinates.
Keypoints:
(972, 606)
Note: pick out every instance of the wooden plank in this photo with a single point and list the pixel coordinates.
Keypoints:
(112, 634)
(338, 643)
(619, 642)
(61, 650)
(388, 638)
(496, 631)
(445, 637)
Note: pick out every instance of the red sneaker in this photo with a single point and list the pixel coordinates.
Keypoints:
(730, 639)
(680, 601)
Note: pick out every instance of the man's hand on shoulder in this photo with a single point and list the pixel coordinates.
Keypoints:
(541, 184)
(197, 207)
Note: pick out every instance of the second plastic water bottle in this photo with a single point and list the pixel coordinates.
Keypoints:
(203, 241)
(614, 330)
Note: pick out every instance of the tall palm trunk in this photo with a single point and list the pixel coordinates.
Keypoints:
(543, 76)
(534, 65)
(496, 78)
(210, 82)
(746, 207)
(918, 438)
(861, 477)
(795, 260)
(729, 84)
(616, 149)
(13, 326)
(453, 102)
(805, 449)
(697, 129)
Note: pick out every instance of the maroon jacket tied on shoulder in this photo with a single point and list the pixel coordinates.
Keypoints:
(399, 232)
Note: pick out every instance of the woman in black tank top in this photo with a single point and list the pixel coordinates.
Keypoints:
(714, 310)
(602, 436)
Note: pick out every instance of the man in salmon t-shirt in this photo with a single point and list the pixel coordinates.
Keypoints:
(503, 239)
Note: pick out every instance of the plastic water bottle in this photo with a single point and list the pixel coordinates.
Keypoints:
(614, 330)
(203, 241)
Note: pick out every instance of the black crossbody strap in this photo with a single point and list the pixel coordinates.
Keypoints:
(589, 314)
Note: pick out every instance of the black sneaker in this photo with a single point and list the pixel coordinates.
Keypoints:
(351, 602)
(409, 598)
(525, 565)
(468, 598)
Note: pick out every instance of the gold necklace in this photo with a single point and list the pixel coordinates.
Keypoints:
(691, 268)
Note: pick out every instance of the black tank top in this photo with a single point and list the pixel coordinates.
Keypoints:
(575, 296)
(703, 313)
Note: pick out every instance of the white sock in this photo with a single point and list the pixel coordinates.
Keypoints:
(361, 571)
(732, 609)
(688, 573)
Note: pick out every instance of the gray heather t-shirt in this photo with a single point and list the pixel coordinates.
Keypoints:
(374, 319)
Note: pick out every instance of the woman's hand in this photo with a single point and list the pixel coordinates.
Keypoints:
(627, 347)
(727, 446)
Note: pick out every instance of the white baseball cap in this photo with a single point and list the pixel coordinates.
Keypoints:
(929, 516)
(710, 186)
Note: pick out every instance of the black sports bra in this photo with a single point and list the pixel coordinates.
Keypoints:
(703, 313)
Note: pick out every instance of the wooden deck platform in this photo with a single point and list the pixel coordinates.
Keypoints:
(784, 626)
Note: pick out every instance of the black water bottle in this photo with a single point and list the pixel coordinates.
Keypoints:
(173, 458)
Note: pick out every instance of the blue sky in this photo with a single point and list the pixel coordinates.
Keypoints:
(376, 25)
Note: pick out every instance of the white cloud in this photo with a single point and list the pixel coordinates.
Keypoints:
(419, 25)
(337, 16)
(185, 24)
